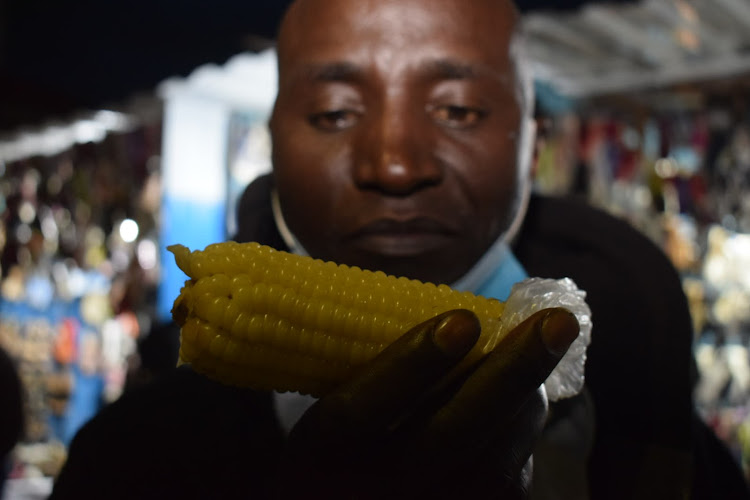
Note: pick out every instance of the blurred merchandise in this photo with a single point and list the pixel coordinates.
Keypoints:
(78, 277)
(675, 163)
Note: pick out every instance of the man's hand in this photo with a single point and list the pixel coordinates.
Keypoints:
(410, 425)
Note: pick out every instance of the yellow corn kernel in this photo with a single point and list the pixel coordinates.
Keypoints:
(256, 317)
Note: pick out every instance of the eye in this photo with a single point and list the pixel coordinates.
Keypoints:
(334, 120)
(456, 116)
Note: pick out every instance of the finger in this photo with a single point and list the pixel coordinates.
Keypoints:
(492, 396)
(389, 385)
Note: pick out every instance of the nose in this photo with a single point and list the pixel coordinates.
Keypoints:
(396, 152)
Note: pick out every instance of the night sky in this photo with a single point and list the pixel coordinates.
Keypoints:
(62, 56)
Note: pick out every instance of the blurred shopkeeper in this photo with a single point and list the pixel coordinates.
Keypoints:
(11, 415)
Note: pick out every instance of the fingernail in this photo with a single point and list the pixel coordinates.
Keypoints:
(457, 333)
(559, 329)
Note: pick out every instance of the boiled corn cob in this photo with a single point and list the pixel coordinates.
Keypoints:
(256, 317)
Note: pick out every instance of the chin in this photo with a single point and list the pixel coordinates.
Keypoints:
(430, 267)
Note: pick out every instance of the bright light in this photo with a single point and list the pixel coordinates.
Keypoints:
(26, 212)
(23, 233)
(89, 131)
(114, 121)
(147, 254)
(128, 230)
(49, 228)
(666, 168)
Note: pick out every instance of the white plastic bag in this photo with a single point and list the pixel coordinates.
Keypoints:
(535, 294)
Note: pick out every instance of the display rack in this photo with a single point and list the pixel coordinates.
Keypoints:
(79, 261)
(675, 163)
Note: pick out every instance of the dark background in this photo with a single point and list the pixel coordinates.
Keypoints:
(62, 56)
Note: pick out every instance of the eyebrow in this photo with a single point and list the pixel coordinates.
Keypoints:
(450, 69)
(333, 72)
(434, 69)
(445, 69)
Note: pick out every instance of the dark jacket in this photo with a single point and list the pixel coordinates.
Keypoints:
(11, 412)
(186, 437)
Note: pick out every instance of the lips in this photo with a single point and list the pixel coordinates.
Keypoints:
(402, 238)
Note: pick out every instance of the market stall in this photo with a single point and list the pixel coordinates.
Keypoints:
(675, 166)
(642, 111)
(79, 240)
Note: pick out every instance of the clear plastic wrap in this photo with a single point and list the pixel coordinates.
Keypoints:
(535, 294)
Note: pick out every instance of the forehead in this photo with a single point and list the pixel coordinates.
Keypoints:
(397, 32)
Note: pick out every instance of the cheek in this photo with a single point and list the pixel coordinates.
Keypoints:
(311, 179)
(498, 198)
(490, 181)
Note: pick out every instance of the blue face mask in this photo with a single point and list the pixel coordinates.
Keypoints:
(494, 274)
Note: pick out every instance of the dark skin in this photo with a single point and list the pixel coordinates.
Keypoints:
(397, 124)
(406, 428)
(397, 127)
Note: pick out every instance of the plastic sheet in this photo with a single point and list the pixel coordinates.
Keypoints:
(535, 294)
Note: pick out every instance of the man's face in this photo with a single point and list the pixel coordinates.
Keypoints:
(395, 132)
